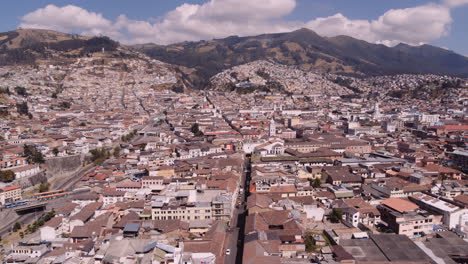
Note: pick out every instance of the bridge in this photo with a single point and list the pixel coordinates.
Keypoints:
(31, 208)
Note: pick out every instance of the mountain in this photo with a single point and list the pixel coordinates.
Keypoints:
(267, 76)
(309, 51)
(195, 63)
(62, 61)
(27, 46)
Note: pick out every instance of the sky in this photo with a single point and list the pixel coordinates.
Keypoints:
(442, 23)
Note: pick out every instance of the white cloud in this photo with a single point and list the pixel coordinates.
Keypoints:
(410, 25)
(455, 3)
(67, 18)
(222, 18)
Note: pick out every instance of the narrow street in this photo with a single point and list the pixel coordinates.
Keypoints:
(236, 236)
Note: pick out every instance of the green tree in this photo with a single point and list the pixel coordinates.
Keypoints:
(98, 156)
(195, 129)
(309, 243)
(336, 215)
(65, 105)
(21, 234)
(21, 91)
(32, 154)
(44, 187)
(316, 183)
(55, 151)
(7, 176)
(22, 108)
(116, 152)
(16, 227)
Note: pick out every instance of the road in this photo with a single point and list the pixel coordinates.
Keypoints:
(8, 217)
(235, 240)
(67, 183)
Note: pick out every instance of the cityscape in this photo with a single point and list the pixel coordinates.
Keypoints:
(202, 152)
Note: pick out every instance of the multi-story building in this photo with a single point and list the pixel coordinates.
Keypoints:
(10, 194)
(193, 205)
(453, 216)
(405, 218)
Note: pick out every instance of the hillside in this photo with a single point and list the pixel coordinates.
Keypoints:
(272, 77)
(194, 63)
(27, 46)
(307, 50)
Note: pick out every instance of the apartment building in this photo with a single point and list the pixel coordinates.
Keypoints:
(10, 194)
(453, 216)
(193, 205)
(405, 218)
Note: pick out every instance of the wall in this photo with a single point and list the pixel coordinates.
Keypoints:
(61, 166)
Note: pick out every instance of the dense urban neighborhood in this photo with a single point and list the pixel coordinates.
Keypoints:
(113, 160)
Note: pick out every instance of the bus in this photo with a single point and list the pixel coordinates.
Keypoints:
(16, 204)
(49, 195)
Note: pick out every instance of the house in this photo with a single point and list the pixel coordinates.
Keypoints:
(154, 183)
(27, 251)
(453, 216)
(340, 175)
(271, 148)
(26, 171)
(112, 196)
(85, 198)
(357, 211)
(396, 187)
(10, 194)
(405, 218)
(52, 229)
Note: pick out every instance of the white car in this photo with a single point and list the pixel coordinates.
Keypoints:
(228, 251)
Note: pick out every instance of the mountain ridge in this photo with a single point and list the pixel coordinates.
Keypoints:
(198, 61)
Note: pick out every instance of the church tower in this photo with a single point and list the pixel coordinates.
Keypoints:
(272, 128)
(377, 113)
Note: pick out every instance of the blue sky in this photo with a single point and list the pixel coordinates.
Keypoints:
(442, 23)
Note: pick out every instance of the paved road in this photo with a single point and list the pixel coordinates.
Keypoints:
(8, 217)
(235, 240)
(67, 183)
(23, 220)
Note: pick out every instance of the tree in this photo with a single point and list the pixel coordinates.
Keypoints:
(32, 154)
(16, 227)
(309, 243)
(7, 176)
(21, 234)
(336, 215)
(44, 187)
(116, 152)
(49, 215)
(22, 108)
(55, 151)
(65, 105)
(316, 183)
(21, 91)
(98, 156)
(195, 129)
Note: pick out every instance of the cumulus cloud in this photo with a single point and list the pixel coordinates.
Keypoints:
(455, 3)
(67, 18)
(410, 25)
(222, 18)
